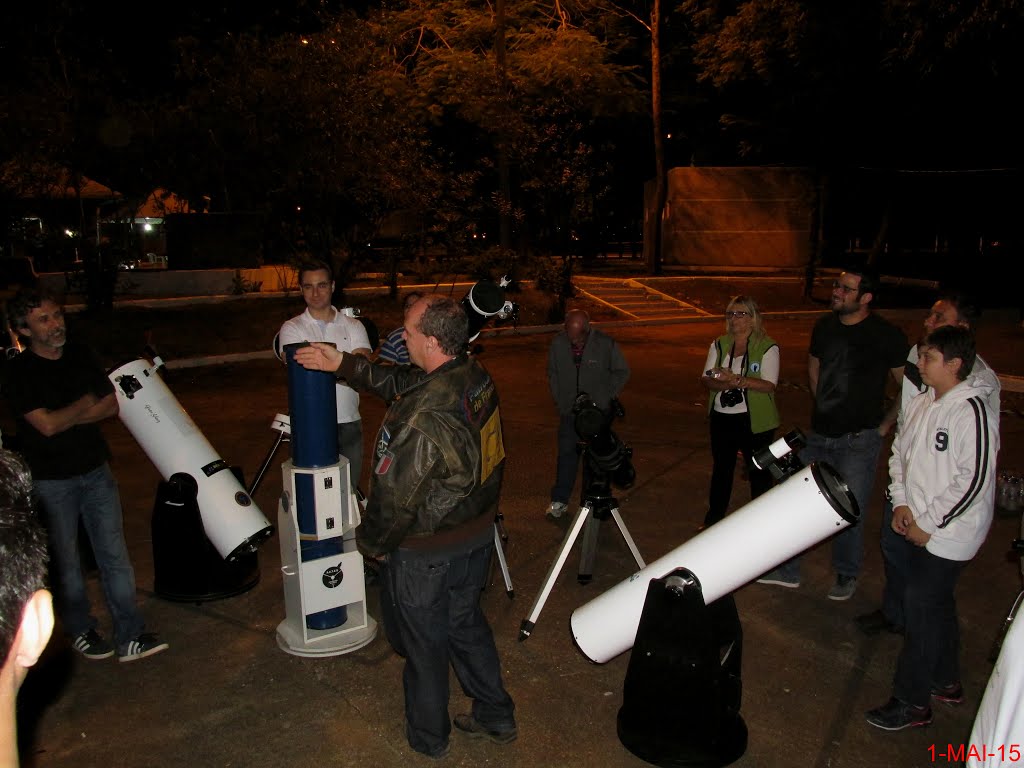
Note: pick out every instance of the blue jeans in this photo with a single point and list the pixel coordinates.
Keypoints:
(430, 607)
(896, 555)
(931, 644)
(855, 457)
(568, 459)
(93, 497)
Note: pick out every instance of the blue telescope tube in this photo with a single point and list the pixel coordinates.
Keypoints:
(313, 412)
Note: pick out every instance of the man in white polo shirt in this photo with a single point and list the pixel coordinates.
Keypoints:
(322, 322)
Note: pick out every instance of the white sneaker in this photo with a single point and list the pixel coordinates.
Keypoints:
(557, 508)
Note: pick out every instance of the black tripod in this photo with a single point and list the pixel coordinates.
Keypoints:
(596, 504)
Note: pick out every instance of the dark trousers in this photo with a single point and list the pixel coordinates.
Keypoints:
(896, 555)
(430, 606)
(931, 645)
(730, 432)
(568, 463)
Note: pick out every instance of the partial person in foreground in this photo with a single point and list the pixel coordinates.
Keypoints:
(581, 360)
(59, 393)
(954, 309)
(26, 607)
(942, 486)
(740, 372)
(996, 737)
(429, 520)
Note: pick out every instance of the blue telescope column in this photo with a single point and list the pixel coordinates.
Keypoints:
(313, 411)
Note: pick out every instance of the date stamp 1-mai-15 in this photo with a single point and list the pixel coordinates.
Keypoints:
(959, 753)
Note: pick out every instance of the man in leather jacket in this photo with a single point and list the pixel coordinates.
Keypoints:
(434, 489)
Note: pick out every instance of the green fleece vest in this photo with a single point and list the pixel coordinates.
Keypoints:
(761, 405)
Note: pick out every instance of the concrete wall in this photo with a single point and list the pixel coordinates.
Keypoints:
(166, 283)
(737, 217)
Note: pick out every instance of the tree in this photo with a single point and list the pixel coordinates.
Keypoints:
(533, 109)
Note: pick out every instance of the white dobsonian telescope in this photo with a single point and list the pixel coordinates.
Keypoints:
(681, 697)
(231, 520)
(811, 505)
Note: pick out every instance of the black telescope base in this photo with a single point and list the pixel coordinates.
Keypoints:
(187, 568)
(681, 697)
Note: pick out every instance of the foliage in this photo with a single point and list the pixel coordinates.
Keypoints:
(538, 107)
(825, 84)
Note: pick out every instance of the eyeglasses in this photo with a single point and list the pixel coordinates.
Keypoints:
(737, 313)
(836, 285)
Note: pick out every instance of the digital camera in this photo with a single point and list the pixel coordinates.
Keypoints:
(732, 397)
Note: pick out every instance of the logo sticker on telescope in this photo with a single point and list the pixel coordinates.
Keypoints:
(214, 467)
(332, 577)
(385, 463)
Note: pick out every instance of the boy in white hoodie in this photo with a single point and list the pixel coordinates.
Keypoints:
(942, 473)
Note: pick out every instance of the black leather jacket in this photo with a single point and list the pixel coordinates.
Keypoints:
(438, 458)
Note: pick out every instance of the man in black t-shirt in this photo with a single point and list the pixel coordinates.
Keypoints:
(58, 393)
(852, 353)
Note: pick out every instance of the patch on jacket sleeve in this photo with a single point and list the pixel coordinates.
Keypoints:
(492, 448)
(383, 439)
(385, 462)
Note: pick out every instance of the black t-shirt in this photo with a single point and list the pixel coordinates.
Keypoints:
(855, 362)
(36, 382)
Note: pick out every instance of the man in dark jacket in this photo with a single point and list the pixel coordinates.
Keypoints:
(581, 359)
(434, 489)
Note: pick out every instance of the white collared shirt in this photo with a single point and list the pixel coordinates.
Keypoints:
(346, 333)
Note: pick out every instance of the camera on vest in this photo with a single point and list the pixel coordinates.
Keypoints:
(606, 456)
(732, 397)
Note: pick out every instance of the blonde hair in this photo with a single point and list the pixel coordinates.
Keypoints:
(747, 304)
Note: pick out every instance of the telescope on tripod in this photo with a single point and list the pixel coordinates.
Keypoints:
(606, 462)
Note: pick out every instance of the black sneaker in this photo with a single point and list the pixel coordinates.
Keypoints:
(442, 753)
(469, 726)
(92, 645)
(897, 715)
(844, 588)
(949, 694)
(142, 646)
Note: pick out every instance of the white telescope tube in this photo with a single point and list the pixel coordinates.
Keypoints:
(172, 441)
(808, 507)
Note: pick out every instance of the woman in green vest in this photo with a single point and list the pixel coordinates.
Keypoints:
(741, 372)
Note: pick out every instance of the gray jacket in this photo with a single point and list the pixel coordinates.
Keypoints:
(602, 372)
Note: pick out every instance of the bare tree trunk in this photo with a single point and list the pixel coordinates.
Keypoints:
(882, 236)
(660, 186)
(817, 248)
(504, 184)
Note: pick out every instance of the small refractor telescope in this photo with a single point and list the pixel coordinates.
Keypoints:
(485, 301)
(781, 458)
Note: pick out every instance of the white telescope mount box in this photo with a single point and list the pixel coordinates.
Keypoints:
(328, 582)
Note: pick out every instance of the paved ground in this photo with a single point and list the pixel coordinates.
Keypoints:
(225, 695)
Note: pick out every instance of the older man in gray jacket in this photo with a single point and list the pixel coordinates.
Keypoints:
(581, 360)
